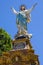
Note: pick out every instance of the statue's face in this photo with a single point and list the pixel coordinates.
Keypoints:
(22, 8)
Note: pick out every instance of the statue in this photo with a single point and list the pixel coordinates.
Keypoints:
(23, 17)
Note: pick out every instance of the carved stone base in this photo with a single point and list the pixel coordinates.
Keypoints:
(19, 57)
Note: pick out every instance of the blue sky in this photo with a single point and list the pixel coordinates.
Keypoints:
(8, 22)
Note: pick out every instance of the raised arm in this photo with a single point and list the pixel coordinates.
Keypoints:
(30, 10)
(14, 11)
(32, 7)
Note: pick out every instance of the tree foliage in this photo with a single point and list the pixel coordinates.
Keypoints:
(5, 41)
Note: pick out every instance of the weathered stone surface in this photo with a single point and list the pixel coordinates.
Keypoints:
(18, 57)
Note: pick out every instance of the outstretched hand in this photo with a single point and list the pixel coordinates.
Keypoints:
(34, 5)
(11, 8)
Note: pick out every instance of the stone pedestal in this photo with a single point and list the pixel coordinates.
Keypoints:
(21, 54)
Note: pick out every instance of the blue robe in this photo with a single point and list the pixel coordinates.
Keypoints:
(22, 21)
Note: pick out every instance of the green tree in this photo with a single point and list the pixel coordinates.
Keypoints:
(5, 41)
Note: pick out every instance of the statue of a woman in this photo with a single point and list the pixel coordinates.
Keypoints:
(23, 17)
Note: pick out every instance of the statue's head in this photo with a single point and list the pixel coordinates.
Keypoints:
(22, 7)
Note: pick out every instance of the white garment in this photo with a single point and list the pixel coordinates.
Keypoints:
(25, 11)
